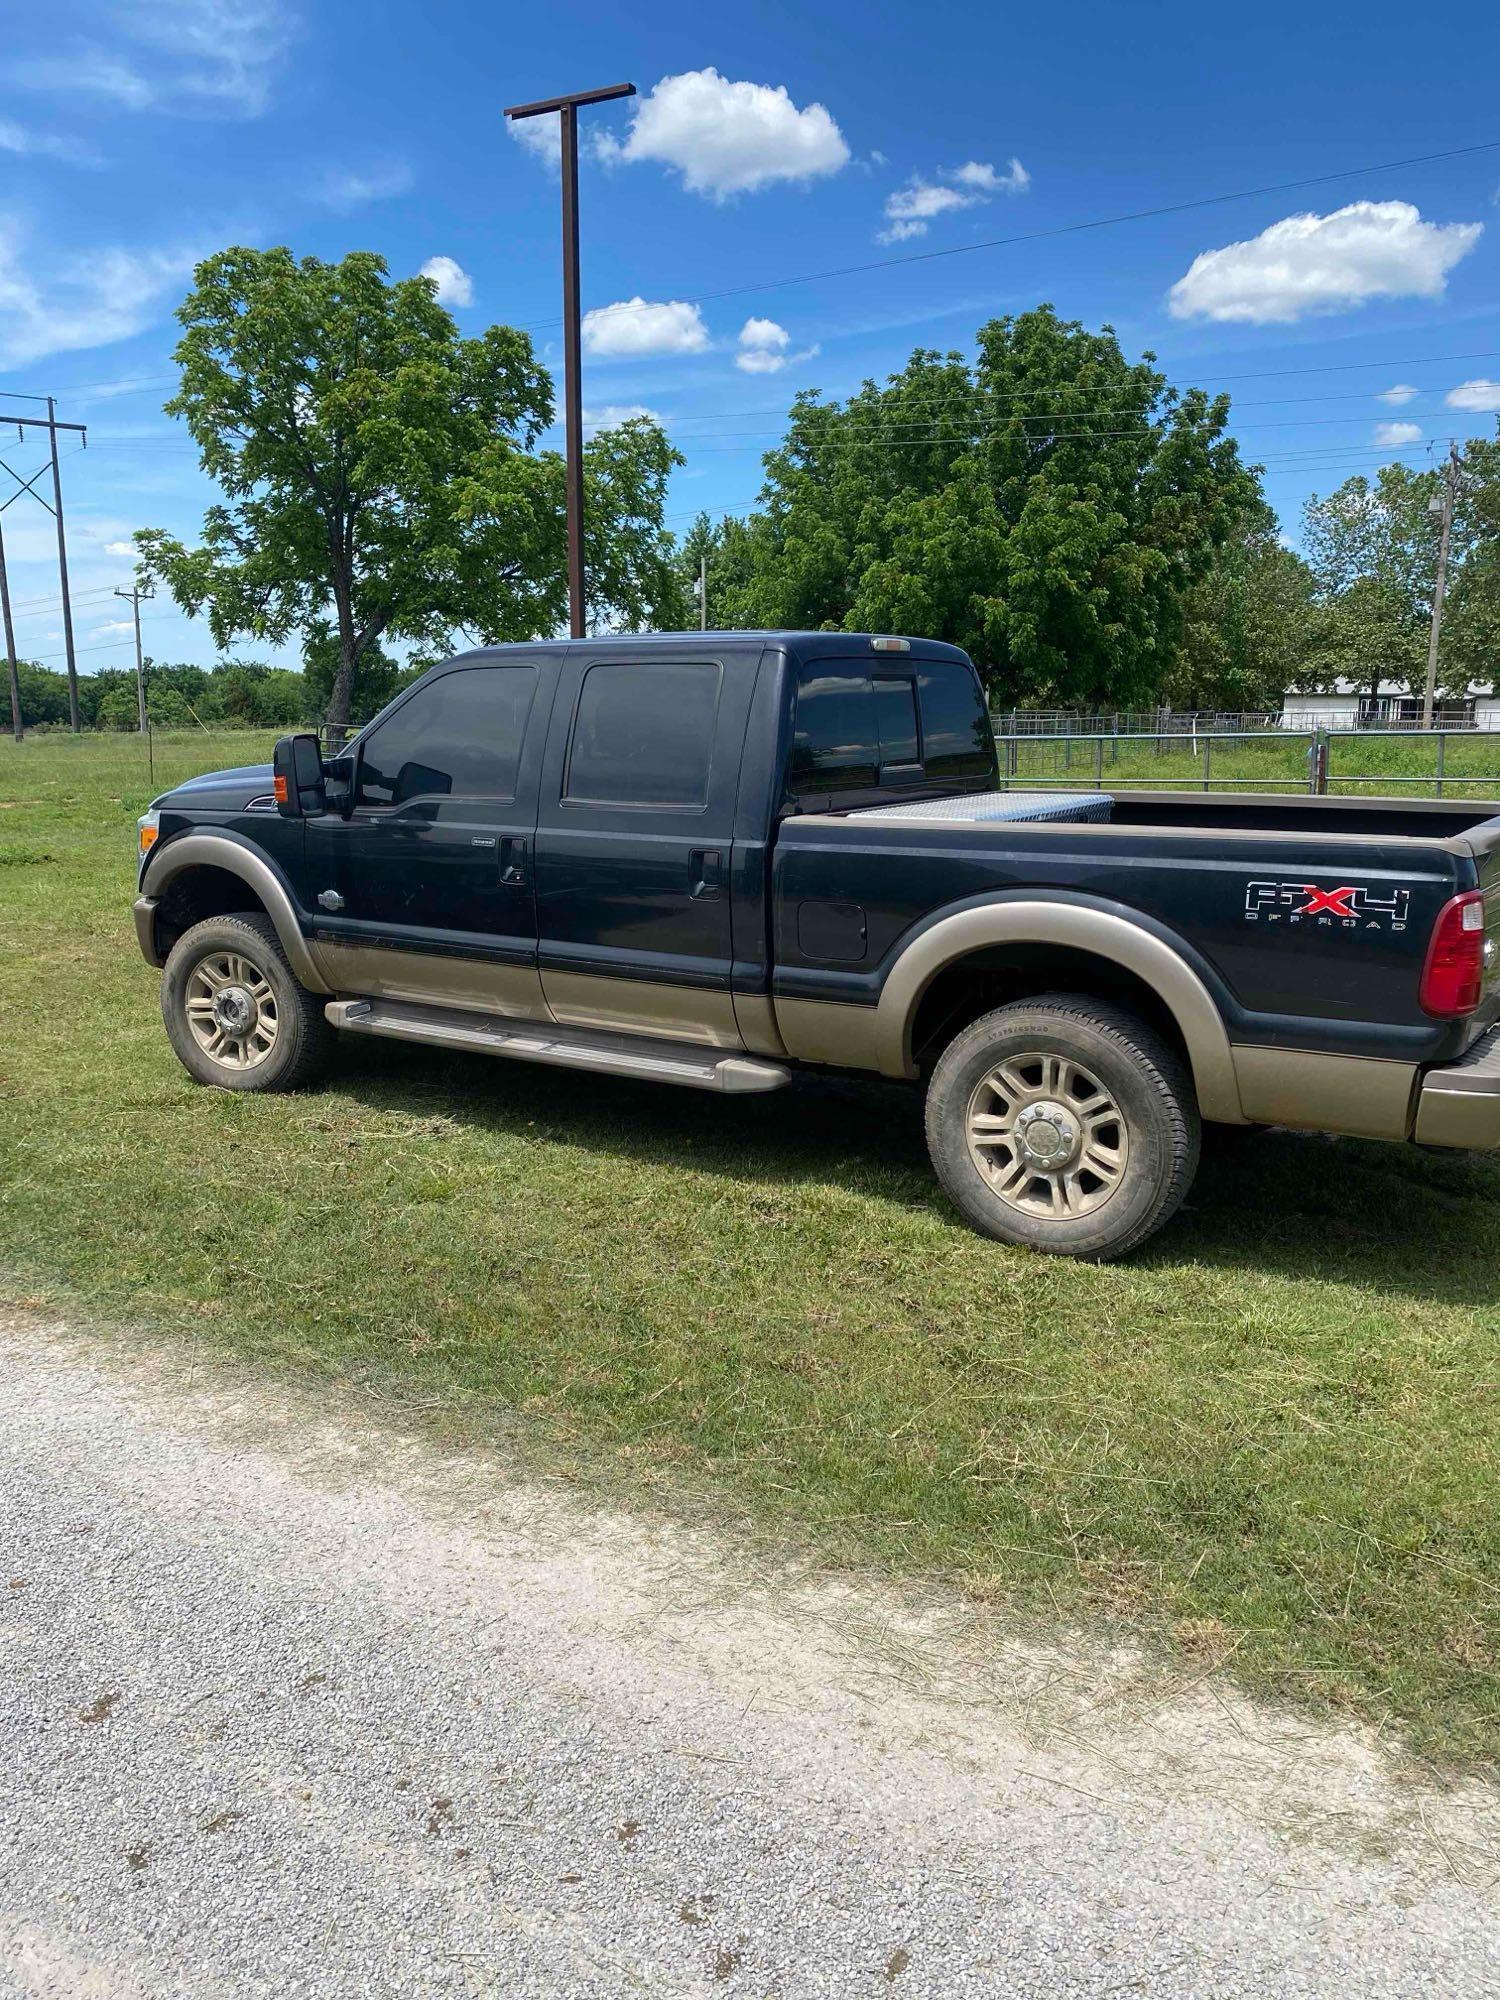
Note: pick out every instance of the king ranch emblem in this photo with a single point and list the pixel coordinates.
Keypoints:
(1350, 906)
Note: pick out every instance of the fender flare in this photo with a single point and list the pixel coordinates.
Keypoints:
(224, 850)
(1078, 927)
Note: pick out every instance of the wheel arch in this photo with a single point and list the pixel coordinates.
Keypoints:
(1072, 929)
(196, 866)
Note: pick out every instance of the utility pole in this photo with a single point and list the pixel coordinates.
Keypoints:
(51, 426)
(1445, 507)
(10, 646)
(133, 597)
(703, 590)
(567, 109)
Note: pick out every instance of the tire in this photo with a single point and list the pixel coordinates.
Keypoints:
(1099, 1178)
(276, 1037)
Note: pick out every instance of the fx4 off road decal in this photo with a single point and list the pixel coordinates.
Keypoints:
(1351, 906)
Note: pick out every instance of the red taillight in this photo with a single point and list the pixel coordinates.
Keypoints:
(1453, 977)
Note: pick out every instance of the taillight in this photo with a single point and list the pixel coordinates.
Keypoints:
(1453, 977)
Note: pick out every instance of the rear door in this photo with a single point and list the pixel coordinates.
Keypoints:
(426, 891)
(633, 844)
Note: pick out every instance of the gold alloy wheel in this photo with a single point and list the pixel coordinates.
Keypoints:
(1047, 1137)
(231, 1010)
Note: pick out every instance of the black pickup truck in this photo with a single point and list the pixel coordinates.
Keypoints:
(713, 859)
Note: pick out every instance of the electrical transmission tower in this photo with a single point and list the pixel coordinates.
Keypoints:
(54, 507)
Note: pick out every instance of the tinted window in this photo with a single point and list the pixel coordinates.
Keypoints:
(896, 713)
(836, 741)
(957, 738)
(459, 737)
(644, 734)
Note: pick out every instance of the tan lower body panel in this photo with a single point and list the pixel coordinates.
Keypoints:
(757, 1024)
(428, 980)
(641, 1007)
(822, 1031)
(1322, 1093)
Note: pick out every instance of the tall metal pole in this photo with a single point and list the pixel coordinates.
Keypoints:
(62, 569)
(134, 596)
(1450, 488)
(10, 646)
(703, 590)
(567, 110)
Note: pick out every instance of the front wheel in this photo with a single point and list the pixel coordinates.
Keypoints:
(1063, 1124)
(234, 1011)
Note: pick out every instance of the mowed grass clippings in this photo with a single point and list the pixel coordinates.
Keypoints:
(1273, 1434)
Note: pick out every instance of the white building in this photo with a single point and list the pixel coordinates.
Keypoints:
(1344, 706)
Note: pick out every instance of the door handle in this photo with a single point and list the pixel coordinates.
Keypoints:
(706, 873)
(513, 858)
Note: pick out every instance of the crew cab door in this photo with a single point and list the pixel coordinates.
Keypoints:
(425, 891)
(633, 841)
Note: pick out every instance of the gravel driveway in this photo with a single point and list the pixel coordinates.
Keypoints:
(293, 1706)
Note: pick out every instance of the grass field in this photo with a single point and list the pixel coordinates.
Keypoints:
(1271, 1439)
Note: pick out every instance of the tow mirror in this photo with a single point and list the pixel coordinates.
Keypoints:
(297, 765)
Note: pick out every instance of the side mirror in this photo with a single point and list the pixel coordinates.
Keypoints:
(297, 765)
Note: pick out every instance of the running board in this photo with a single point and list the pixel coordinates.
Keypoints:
(569, 1048)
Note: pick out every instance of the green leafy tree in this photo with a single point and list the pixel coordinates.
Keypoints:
(1047, 507)
(44, 694)
(382, 477)
(1249, 625)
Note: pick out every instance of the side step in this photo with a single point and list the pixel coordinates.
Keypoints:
(568, 1048)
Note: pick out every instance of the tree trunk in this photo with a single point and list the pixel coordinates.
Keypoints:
(343, 681)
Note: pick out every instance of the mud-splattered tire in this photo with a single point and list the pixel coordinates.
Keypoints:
(1063, 1124)
(234, 1012)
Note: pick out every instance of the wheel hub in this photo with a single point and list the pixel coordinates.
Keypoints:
(234, 1010)
(1047, 1134)
(231, 1010)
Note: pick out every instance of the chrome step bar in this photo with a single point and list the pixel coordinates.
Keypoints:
(568, 1048)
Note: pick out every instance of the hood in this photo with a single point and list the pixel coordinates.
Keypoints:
(220, 791)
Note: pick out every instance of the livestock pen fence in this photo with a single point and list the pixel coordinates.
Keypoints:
(1442, 763)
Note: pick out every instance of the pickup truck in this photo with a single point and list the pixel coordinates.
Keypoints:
(715, 859)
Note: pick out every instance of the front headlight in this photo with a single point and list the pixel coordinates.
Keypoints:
(147, 827)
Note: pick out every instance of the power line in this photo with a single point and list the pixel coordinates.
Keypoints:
(1060, 229)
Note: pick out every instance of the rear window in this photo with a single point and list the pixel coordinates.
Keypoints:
(858, 729)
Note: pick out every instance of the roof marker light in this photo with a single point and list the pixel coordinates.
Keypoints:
(890, 645)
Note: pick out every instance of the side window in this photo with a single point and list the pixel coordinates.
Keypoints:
(836, 740)
(460, 737)
(644, 734)
(958, 740)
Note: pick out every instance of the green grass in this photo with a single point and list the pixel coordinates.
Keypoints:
(1274, 760)
(1273, 1436)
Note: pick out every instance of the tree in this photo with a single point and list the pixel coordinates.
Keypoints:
(44, 694)
(381, 473)
(1248, 625)
(1047, 507)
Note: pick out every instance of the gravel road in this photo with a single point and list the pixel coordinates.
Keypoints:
(291, 1705)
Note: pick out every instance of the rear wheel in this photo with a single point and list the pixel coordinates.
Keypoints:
(1063, 1124)
(234, 1011)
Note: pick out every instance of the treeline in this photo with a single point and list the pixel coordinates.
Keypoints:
(236, 694)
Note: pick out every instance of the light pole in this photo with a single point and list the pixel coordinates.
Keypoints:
(1444, 506)
(567, 110)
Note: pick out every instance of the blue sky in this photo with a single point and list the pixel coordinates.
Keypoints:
(766, 145)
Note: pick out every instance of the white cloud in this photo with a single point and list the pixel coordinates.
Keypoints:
(909, 210)
(1324, 263)
(454, 285)
(109, 630)
(609, 416)
(763, 348)
(728, 138)
(1397, 433)
(632, 326)
(343, 188)
(86, 300)
(541, 136)
(980, 174)
(1399, 392)
(198, 57)
(21, 140)
(119, 548)
(1480, 394)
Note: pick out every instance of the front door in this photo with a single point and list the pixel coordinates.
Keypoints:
(634, 843)
(426, 891)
